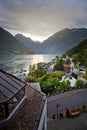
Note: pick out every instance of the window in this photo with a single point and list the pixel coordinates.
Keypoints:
(16, 99)
(70, 77)
(8, 107)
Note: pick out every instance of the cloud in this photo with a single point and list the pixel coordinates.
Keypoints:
(42, 17)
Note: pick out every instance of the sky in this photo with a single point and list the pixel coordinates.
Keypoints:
(39, 19)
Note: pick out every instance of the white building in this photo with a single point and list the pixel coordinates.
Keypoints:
(72, 77)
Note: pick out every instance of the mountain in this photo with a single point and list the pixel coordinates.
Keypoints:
(28, 42)
(64, 40)
(79, 52)
(10, 45)
(58, 43)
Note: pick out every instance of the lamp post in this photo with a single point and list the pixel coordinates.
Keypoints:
(57, 106)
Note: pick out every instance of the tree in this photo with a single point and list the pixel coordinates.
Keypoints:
(32, 69)
(48, 83)
(85, 62)
(77, 67)
(59, 65)
(63, 86)
(37, 70)
(68, 61)
(30, 79)
(75, 58)
(41, 70)
(80, 83)
(57, 75)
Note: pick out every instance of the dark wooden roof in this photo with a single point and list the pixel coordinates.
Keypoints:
(9, 86)
(28, 116)
(74, 75)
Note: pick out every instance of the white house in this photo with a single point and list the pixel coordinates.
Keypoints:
(72, 77)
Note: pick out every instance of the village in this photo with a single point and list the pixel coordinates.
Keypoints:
(52, 93)
(61, 73)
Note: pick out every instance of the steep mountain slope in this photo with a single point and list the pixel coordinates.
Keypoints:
(64, 40)
(10, 45)
(28, 42)
(58, 43)
(79, 52)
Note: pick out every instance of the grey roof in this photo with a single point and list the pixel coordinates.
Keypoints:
(74, 75)
(78, 73)
(9, 86)
(67, 75)
(35, 86)
(29, 115)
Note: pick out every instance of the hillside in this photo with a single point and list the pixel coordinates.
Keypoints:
(28, 42)
(10, 45)
(58, 43)
(64, 40)
(79, 52)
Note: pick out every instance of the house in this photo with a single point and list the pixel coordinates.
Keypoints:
(67, 67)
(72, 77)
(69, 77)
(22, 107)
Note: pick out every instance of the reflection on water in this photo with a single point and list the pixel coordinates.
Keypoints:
(37, 59)
(16, 62)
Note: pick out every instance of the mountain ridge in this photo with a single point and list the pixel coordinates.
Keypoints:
(59, 42)
(10, 45)
(28, 42)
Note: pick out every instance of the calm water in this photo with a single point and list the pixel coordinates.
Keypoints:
(16, 62)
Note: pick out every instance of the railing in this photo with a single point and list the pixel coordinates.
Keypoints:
(36, 125)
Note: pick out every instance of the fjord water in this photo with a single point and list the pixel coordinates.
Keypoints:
(12, 63)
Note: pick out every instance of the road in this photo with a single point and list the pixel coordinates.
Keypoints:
(70, 100)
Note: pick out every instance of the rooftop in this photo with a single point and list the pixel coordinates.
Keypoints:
(9, 86)
(78, 73)
(35, 86)
(27, 116)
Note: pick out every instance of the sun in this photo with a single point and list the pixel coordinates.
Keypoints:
(34, 38)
